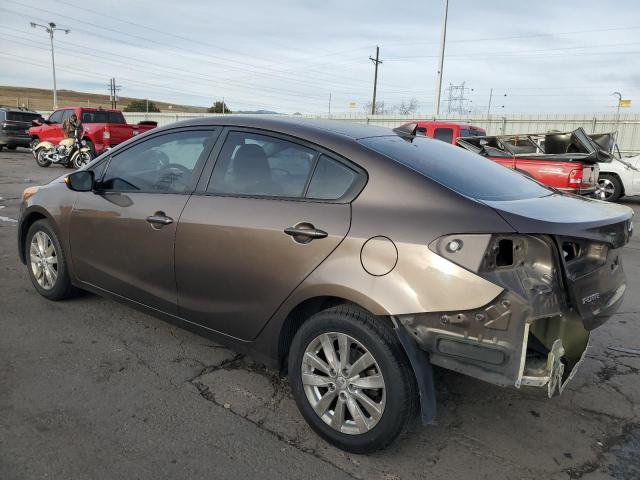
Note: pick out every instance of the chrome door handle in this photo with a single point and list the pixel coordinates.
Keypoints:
(310, 233)
(159, 219)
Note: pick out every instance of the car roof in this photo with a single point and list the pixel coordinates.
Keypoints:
(290, 125)
(444, 123)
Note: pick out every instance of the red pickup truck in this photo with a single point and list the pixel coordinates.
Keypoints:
(101, 128)
(566, 161)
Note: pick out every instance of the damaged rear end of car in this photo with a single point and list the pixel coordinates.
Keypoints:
(561, 280)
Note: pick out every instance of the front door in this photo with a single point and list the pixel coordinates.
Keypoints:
(253, 234)
(122, 235)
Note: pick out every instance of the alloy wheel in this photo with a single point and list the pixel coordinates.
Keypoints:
(44, 260)
(343, 383)
(605, 189)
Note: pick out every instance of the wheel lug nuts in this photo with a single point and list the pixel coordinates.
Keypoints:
(332, 372)
(343, 395)
(332, 387)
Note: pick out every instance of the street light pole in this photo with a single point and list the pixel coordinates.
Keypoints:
(443, 37)
(51, 29)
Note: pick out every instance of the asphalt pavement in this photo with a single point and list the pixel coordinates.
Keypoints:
(91, 389)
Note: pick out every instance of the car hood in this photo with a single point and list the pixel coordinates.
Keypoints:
(568, 215)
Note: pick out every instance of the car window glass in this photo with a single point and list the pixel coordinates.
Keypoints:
(56, 117)
(66, 114)
(99, 168)
(95, 116)
(251, 164)
(457, 169)
(330, 180)
(421, 131)
(444, 134)
(163, 164)
(116, 117)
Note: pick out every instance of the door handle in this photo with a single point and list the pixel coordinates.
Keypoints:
(159, 219)
(305, 232)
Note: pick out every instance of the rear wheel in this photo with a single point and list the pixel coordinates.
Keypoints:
(46, 262)
(609, 187)
(351, 379)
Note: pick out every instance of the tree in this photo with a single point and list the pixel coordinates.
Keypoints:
(380, 108)
(219, 107)
(407, 108)
(141, 106)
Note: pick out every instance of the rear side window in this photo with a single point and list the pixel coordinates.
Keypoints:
(330, 180)
(21, 116)
(252, 164)
(116, 117)
(101, 116)
(444, 134)
(457, 169)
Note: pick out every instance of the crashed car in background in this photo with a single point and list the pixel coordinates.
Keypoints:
(619, 178)
(566, 161)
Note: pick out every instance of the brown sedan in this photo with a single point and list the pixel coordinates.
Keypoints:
(355, 257)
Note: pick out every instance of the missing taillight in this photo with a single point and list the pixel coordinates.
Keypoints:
(504, 255)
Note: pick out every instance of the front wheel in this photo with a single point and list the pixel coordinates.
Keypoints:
(41, 158)
(351, 379)
(46, 262)
(81, 159)
(609, 188)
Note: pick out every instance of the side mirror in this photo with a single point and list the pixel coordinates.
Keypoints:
(80, 181)
(36, 123)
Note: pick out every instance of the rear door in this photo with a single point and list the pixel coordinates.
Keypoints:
(122, 235)
(256, 228)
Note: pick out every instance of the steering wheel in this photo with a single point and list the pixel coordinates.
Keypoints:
(177, 166)
(281, 171)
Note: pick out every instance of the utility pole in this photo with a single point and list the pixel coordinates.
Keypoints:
(376, 61)
(443, 38)
(329, 103)
(490, 97)
(51, 29)
(113, 93)
(223, 106)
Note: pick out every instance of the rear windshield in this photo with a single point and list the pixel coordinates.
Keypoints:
(456, 168)
(102, 117)
(465, 132)
(23, 116)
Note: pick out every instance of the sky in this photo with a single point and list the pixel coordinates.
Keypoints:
(293, 56)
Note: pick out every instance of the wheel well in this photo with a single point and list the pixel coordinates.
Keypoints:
(617, 177)
(24, 228)
(300, 314)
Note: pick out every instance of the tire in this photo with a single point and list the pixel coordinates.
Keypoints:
(82, 158)
(43, 236)
(396, 402)
(92, 148)
(40, 160)
(609, 188)
(12, 147)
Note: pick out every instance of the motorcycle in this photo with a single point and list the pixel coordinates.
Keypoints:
(70, 152)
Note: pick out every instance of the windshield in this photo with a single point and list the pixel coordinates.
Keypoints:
(99, 116)
(457, 169)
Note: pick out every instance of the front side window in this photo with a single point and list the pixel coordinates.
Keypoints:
(66, 114)
(252, 164)
(444, 134)
(163, 164)
(56, 117)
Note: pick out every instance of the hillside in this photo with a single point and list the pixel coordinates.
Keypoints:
(42, 99)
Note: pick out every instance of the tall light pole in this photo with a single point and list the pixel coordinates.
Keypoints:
(619, 95)
(51, 29)
(443, 38)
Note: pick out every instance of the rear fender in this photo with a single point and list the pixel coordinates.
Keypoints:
(45, 145)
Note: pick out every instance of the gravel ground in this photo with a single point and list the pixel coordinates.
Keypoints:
(93, 389)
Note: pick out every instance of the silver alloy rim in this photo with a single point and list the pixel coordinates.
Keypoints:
(343, 383)
(44, 260)
(605, 189)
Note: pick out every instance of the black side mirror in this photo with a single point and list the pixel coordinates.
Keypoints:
(80, 181)
(36, 122)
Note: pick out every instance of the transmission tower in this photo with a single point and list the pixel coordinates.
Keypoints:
(457, 100)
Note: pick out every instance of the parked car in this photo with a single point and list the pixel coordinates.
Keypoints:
(352, 257)
(620, 177)
(566, 161)
(103, 129)
(14, 127)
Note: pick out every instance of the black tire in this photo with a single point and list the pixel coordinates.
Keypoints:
(81, 159)
(378, 337)
(11, 147)
(62, 287)
(609, 187)
(40, 159)
(91, 147)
